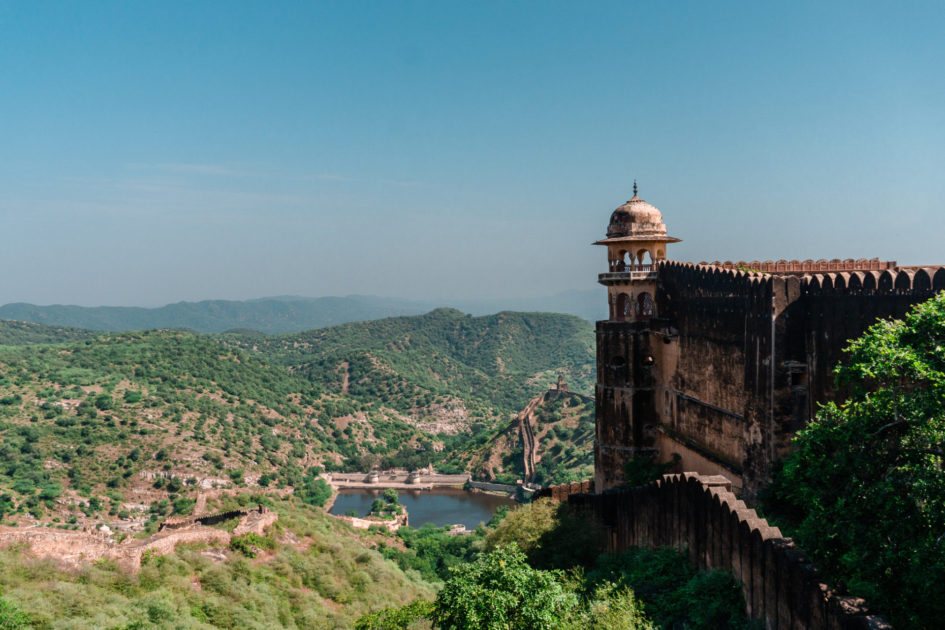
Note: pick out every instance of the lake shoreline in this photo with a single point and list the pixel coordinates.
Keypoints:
(442, 507)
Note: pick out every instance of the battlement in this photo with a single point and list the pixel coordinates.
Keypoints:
(741, 279)
(902, 281)
(793, 267)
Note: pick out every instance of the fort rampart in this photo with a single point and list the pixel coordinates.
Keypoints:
(736, 361)
(718, 531)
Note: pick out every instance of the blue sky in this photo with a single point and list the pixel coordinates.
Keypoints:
(152, 152)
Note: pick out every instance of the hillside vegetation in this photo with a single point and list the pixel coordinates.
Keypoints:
(497, 360)
(17, 333)
(562, 426)
(268, 315)
(130, 426)
(311, 571)
(285, 314)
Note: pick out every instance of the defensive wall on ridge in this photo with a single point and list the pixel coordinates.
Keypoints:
(701, 515)
(736, 360)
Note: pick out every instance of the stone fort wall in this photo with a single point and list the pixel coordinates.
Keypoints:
(736, 361)
(702, 516)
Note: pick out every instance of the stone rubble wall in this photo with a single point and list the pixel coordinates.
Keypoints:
(494, 487)
(73, 549)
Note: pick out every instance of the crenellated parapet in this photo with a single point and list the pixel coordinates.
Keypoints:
(740, 279)
(917, 281)
(690, 280)
(807, 266)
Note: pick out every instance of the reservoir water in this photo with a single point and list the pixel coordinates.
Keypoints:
(441, 506)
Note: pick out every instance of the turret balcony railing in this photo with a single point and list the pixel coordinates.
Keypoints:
(624, 272)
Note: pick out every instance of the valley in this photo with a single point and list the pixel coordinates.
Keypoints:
(130, 428)
(115, 447)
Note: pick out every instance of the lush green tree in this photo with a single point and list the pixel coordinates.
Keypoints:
(551, 536)
(865, 486)
(499, 591)
(314, 491)
(104, 402)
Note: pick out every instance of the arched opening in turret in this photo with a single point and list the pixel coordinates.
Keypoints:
(646, 308)
(644, 260)
(623, 307)
(621, 263)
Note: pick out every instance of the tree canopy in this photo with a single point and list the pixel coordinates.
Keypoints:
(865, 486)
(500, 591)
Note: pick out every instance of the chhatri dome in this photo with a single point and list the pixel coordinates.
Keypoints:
(639, 223)
(636, 244)
(636, 218)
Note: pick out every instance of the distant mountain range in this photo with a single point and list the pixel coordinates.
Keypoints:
(286, 314)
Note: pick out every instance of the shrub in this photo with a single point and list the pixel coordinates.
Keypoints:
(314, 491)
(500, 590)
(550, 535)
(11, 617)
(396, 618)
(104, 402)
(251, 544)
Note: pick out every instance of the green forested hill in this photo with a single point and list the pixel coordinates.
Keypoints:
(17, 333)
(127, 429)
(499, 360)
(268, 315)
(112, 417)
(285, 314)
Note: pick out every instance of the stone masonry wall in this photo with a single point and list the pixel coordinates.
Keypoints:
(739, 361)
(780, 586)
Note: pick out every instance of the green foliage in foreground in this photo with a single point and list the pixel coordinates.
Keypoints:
(431, 551)
(402, 618)
(501, 591)
(551, 536)
(638, 589)
(672, 594)
(865, 489)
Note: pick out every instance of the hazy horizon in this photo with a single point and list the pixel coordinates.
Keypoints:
(158, 153)
(431, 302)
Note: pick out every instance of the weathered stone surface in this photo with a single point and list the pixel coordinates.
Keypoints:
(779, 584)
(733, 364)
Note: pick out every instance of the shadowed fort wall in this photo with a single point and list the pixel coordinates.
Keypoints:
(718, 531)
(736, 362)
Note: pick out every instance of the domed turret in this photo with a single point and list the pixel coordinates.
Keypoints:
(636, 244)
(636, 218)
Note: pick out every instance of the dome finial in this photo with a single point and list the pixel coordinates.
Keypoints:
(634, 188)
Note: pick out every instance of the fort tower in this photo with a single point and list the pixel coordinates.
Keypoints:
(636, 242)
(718, 365)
